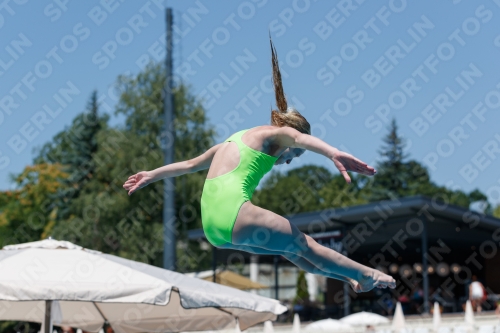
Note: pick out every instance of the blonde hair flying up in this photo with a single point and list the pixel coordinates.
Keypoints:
(284, 116)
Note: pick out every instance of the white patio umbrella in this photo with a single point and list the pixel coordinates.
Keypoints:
(328, 325)
(364, 318)
(85, 288)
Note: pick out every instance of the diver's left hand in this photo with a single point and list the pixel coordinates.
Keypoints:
(346, 162)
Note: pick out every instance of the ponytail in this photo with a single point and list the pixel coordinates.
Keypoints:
(284, 116)
(278, 86)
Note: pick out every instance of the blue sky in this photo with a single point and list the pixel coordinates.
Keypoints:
(348, 66)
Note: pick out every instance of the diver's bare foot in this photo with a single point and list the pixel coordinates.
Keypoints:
(355, 285)
(372, 279)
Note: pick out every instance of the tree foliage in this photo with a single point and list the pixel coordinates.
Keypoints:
(399, 177)
(26, 214)
(496, 212)
(307, 188)
(302, 292)
(292, 192)
(74, 148)
(91, 208)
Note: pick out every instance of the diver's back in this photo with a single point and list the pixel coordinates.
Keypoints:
(237, 165)
(227, 157)
(230, 185)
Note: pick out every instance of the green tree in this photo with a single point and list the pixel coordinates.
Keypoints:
(496, 212)
(25, 212)
(74, 148)
(391, 178)
(398, 177)
(94, 160)
(337, 193)
(296, 191)
(302, 293)
(103, 216)
(19, 327)
(477, 195)
(142, 103)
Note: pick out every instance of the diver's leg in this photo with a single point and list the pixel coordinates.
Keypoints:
(261, 228)
(300, 262)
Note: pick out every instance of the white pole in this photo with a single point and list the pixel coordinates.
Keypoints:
(296, 324)
(254, 270)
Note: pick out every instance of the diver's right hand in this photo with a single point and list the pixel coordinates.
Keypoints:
(346, 162)
(137, 181)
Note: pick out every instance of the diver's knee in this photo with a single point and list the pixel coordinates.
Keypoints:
(300, 245)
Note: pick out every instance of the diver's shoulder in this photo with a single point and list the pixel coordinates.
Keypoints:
(264, 128)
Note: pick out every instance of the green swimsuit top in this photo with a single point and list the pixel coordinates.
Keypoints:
(253, 166)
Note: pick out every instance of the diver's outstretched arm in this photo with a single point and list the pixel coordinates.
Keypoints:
(203, 161)
(290, 137)
(144, 178)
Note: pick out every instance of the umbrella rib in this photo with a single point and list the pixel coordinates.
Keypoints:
(229, 313)
(100, 312)
(221, 309)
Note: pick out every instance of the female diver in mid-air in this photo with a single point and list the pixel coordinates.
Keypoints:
(231, 221)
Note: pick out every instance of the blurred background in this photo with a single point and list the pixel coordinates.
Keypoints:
(411, 88)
